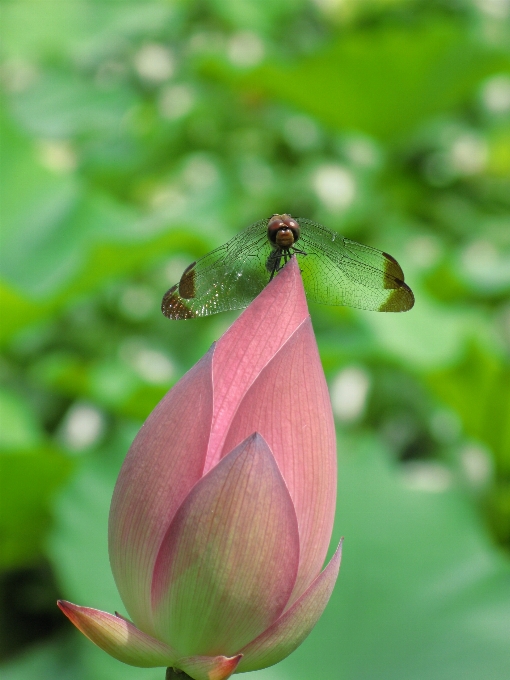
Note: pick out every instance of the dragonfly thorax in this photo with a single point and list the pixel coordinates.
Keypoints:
(282, 231)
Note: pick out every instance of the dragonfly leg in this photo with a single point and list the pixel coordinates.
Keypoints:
(273, 263)
(286, 257)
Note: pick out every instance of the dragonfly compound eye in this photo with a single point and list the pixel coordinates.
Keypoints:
(283, 231)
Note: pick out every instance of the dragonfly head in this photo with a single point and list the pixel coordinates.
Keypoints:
(282, 231)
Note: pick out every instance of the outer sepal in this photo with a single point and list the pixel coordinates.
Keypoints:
(119, 637)
(289, 631)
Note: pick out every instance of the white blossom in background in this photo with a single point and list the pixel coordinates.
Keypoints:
(349, 393)
(154, 63)
(150, 364)
(245, 49)
(170, 198)
(335, 186)
(483, 263)
(329, 6)
(496, 94)
(477, 465)
(427, 477)
(57, 155)
(83, 426)
(362, 152)
(468, 154)
(496, 9)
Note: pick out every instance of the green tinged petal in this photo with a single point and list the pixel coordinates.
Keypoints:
(228, 564)
(119, 637)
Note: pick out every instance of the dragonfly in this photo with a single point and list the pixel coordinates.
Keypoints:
(335, 271)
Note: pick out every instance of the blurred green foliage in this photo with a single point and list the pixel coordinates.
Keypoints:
(137, 136)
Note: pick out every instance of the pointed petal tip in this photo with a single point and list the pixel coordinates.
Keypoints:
(257, 441)
(289, 277)
(65, 606)
(118, 637)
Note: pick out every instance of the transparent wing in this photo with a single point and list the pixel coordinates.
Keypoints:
(226, 278)
(338, 271)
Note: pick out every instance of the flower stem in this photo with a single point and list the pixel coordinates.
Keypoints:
(175, 674)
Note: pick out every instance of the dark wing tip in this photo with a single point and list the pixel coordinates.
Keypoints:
(392, 267)
(400, 299)
(174, 307)
(187, 287)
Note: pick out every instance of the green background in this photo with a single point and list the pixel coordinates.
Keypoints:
(137, 136)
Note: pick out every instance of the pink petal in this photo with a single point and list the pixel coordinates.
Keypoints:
(119, 637)
(248, 345)
(289, 405)
(163, 463)
(229, 561)
(289, 631)
(209, 667)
